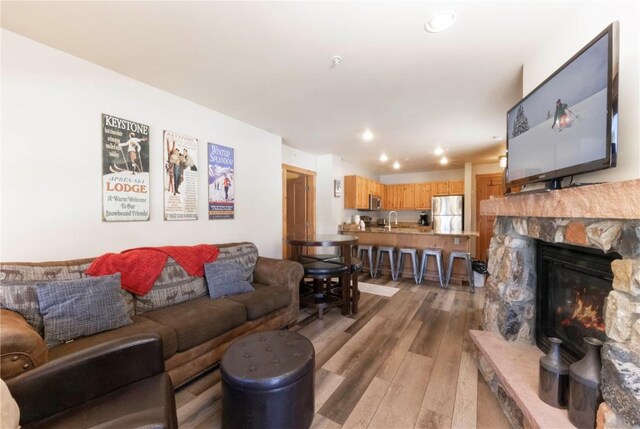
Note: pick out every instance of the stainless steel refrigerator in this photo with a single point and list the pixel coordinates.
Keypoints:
(447, 213)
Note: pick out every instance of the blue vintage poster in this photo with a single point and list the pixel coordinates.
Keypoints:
(221, 182)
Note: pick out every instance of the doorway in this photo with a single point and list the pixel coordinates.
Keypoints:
(486, 186)
(298, 204)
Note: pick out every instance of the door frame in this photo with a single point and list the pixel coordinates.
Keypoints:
(477, 208)
(311, 202)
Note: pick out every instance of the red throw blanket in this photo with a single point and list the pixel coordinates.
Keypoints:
(140, 268)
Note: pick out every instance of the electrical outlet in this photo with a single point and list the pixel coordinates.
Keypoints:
(456, 240)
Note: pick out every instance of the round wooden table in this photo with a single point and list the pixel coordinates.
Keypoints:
(345, 242)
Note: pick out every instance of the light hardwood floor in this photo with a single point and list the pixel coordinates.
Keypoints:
(404, 361)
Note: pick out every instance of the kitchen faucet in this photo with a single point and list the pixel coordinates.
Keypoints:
(389, 225)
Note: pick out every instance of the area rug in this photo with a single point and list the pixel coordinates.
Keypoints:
(377, 289)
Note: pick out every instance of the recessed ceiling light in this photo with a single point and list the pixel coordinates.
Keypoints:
(384, 157)
(444, 160)
(336, 59)
(440, 21)
(367, 135)
(396, 165)
(438, 151)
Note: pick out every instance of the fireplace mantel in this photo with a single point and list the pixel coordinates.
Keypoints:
(617, 200)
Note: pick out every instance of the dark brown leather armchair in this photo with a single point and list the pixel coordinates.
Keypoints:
(117, 384)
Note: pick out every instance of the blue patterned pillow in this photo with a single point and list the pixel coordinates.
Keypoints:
(225, 279)
(23, 299)
(77, 308)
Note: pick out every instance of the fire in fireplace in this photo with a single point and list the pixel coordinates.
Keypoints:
(573, 284)
(587, 313)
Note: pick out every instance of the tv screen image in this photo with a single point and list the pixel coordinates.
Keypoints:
(563, 126)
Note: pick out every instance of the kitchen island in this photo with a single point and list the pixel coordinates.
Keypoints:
(420, 238)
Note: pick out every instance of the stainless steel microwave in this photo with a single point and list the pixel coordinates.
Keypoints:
(374, 202)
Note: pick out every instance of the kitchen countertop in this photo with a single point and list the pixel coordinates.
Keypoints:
(414, 231)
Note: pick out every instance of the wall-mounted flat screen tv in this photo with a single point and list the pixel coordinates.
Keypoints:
(568, 124)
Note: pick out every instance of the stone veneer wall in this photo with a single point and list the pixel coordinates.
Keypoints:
(511, 287)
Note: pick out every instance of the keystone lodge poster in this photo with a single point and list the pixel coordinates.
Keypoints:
(221, 182)
(125, 170)
(180, 177)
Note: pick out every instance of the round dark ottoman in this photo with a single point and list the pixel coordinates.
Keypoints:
(267, 381)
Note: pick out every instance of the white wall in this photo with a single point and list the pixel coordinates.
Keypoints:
(427, 176)
(587, 21)
(330, 211)
(351, 170)
(50, 183)
(329, 207)
(298, 158)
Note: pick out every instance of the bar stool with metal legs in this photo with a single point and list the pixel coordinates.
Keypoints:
(414, 262)
(467, 258)
(361, 249)
(390, 251)
(436, 253)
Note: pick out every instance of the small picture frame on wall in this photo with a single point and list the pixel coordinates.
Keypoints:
(337, 188)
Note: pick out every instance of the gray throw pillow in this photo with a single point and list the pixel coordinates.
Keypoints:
(226, 279)
(77, 308)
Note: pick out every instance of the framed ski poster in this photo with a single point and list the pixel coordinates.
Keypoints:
(180, 177)
(221, 182)
(125, 170)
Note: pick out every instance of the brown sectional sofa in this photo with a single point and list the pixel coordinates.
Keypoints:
(195, 329)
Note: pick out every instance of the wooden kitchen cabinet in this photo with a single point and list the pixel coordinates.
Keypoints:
(398, 197)
(440, 188)
(423, 196)
(391, 197)
(357, 190)
(377, 189)
(407, 197)
(386, 197)
(383, 197)
(456, 187)
(362, 193)
(349, 186)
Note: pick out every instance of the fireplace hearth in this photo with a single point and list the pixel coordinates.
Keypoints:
(572, 287)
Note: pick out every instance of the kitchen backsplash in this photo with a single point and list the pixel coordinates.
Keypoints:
(403, 216)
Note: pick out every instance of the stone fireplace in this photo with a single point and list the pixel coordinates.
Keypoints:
(605, 221)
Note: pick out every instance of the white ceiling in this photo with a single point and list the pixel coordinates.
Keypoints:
(269, 64)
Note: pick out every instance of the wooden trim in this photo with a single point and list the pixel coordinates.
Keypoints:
(284, 211)
(475, 190)
(311, 202)
(476, 214)
(298, 170)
